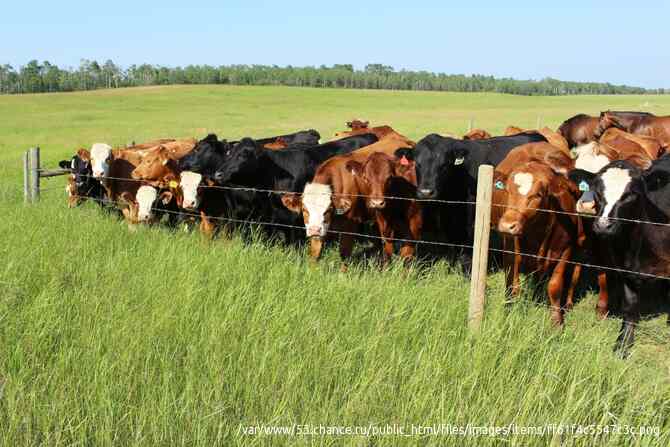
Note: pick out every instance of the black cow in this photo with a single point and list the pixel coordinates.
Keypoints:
(307, 137)
(81, 184)
(447, 169)
(286, 170)
(250, 165)
(618, 193)
(207, 155)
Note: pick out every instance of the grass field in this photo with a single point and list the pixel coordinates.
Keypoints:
(154, 338)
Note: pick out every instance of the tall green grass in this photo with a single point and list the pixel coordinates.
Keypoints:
(160, 338)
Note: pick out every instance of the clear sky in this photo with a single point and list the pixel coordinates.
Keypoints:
(623, 42)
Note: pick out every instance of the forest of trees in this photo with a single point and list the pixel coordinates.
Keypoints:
(35, 77)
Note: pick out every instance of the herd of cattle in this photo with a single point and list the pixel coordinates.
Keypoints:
(596, 191)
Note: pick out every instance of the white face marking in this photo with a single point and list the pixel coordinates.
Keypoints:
(189, 182)
(523, 181)
(72, 165)
(316, 199)
(146, 196)
(100, 153)
(615, 181)
(588, 160)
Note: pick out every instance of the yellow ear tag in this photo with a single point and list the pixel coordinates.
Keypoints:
(173, 184)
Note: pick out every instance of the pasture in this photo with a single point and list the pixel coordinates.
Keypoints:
(153, 337)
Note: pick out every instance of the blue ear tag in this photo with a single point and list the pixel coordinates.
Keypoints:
(500, 185)
(583, 186)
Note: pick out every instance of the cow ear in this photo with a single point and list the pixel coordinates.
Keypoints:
(459, 152)
(406, 152)
(354, 167)
(65, 164)
(292, 201)
(583, 179)
(166, 197)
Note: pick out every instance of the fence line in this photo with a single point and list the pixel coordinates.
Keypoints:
(367, 196)
(371, 236)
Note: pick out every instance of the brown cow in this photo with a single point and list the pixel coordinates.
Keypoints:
(477, 134)
(391, 199)
(580, 129)
(640, 123)
(551, 239)
(332, 199)
(618, 138)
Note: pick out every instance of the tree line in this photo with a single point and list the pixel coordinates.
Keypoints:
(36, 77)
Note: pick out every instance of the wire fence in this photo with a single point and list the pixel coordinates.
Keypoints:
(657, 335)
(413, 241)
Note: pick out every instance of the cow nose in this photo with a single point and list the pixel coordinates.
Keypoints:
(377, 203)
(219, 177)
(97, 174)
(586, 207)
(313, 230)
(425, 193)
(509, 227)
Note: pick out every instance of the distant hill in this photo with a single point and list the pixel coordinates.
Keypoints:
(35, 77)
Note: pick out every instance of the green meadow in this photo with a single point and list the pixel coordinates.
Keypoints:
(154, 337)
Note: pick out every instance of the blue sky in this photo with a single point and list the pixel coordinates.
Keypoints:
(614, 41)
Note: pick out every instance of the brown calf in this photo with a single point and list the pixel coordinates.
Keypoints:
(332, 199)
(391, 200)
(552, 238)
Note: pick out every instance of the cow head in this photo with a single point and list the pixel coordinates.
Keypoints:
(101, 158)
(189, 183)
(149, 201)
(155, 165)
(477, 134)
(316, 206)
(81, 183)
(206, 156)
(607, 120)
(377, 172)
(609, 195)
(242, 161)
(436, 158)
(530, 187)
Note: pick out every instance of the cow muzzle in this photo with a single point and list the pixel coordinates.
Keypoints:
(425, 193)
(509, 226)
(586, 207)
(315, 231)
(377, 203)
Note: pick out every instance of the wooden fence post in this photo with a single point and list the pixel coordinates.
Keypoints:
(480, 251)
(26, 178)
(35, 174)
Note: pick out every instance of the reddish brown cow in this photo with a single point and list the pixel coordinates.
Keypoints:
(398, 218)
(551, 238)
(639, 123)
(477, 134)
(332, 199)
